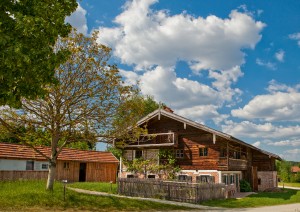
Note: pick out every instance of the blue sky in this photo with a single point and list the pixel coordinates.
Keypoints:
(231, 65)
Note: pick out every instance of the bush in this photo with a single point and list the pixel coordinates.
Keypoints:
(245, 186)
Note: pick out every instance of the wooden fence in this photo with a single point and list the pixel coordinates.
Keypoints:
(17, 175)
(169, 190)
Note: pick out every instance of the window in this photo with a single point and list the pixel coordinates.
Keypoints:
(259, 181)
(236, 155)
(179, 153)
(203, 151)
(225, 179)
(130, 176)
(29, 165)
(205, 179)
(138, 153)
(66, 165)
(223, 152)
(232, 179)
(44, 166)
(184, 178)
(151, 176)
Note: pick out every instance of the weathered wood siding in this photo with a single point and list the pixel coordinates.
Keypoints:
(263, 162)
(95, 172)
(24, 175)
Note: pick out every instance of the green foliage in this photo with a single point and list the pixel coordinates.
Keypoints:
(28, 32)
(168, 163)
(82, 104)
(115, 151)
(245, 186)
(284, 170)
(141, 166)
(32, 196)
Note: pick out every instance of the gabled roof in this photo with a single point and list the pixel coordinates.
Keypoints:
(161, 112)
(15, 151)
(295, 169)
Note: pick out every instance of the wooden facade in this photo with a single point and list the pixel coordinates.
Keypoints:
(72, 165)
(201, 148)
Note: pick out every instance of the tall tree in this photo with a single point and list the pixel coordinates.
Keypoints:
(80, 106)
(28, 32)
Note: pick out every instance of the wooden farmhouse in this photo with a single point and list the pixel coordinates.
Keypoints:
(203, 154)
(18, 161)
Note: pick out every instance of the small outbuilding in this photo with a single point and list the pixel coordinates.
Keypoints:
(22, 162)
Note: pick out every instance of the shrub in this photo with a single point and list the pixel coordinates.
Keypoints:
(245, 186)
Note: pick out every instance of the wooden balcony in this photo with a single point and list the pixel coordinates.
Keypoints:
(237, 164)
(156, 139)
(232, 164)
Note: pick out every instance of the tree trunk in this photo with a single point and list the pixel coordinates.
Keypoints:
(51, 175)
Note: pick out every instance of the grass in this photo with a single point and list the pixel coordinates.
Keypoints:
(290, 184)
(32, 196)
(288, 196)
(96, 186)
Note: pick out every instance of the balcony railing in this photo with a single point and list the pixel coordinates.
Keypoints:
(237, 164)
(232, 164)
(155, 139)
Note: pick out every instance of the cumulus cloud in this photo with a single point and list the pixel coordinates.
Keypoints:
(266, 64)
(256, 144)
(293, 151)
(249, 129)
(165, 86)
(280, 55)
(201, 113)
(78, 20)
(295, 142)
(295, 36)
(281, 104)
(145, 38)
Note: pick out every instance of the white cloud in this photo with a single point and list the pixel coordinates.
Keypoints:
(257, 144)
(201, 113)
(293, 151)
(78, 20)
(295, 36)
(280, 55)
(295, 142)
(248, 129)
(268, 65)
(276, 106)
(145, 38)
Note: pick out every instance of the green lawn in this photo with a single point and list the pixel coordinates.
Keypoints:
(96, 186)
(290, 184)
(288, 196)
(32, 196)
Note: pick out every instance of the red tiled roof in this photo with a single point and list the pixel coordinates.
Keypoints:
(15, 151)
(295, 169)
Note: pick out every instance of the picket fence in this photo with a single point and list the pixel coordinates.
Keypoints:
(170, 190)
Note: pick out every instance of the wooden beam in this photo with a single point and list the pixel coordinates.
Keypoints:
(214, 138)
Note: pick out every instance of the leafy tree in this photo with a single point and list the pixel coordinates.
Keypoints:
(28, 32)
(80, 107)
(284, 170)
